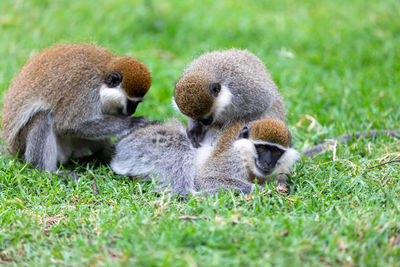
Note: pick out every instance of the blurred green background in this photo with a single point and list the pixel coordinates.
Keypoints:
(337, 64)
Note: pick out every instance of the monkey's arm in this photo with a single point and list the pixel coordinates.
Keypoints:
(106, 126)
(313, 151)
(196, 132)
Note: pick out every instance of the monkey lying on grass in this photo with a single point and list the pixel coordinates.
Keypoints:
(244, 153)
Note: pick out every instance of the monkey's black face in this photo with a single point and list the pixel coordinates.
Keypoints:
(268, 156)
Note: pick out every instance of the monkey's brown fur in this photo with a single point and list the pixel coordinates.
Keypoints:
(272, 131)
(58, 79)
(227, 137)
(192, 95)
(137, 84)
(268, 130)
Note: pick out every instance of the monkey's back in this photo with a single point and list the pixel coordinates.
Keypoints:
(53, 80)
(158, 151)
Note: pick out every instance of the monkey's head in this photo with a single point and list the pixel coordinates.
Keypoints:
(200, 97)
(265, 147)
(126, 82)
(225, 86)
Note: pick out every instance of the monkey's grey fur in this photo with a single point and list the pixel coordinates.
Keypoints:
(254, 95)
(158, 151)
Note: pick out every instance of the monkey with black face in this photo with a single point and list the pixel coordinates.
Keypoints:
(242, 154)
(68, 101)
(259, 151)
(223, 87)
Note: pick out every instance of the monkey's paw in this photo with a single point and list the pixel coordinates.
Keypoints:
(139, 121)
(282, 188)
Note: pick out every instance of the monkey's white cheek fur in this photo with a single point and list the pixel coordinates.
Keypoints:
(286, 162)
(223, 100)
(113, 100)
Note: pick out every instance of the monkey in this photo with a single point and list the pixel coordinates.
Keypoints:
(220, 88)
(68, 100)
(243, 152)
(259, 151)
(268, 140)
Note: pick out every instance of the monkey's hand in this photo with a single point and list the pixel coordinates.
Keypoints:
(137, 122)
(134, 123)
(196, 132)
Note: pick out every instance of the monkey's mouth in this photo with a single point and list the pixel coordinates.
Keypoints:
(265, 168)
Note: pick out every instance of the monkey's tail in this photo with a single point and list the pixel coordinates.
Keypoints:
(372, 134)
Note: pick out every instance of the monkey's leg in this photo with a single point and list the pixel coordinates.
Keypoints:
(40, 142)
(183, 185)
(106, 126)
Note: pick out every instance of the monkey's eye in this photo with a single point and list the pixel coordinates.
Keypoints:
(214, 89)
(113, 79)
(244, 133)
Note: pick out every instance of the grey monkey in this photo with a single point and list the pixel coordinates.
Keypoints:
(68, 101)
(223, 87)
(164, 153)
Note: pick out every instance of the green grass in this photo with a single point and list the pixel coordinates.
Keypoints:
(336, 61)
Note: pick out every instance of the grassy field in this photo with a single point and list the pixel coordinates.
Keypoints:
(337, 64)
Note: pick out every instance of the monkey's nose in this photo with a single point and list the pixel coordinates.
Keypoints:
(131, 106)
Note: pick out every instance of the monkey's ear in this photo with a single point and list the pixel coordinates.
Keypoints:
(244, 133)
(214, 89)
(113, 79)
